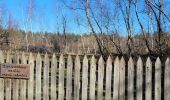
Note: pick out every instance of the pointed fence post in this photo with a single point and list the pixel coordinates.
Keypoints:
(8, 82)
(158, 79)
(69, 78)
(116, 79)
(77, 78)
(108, 78)
(31, 80)
(167, 80)
(15, 82)
(148, 80)
(100, 79)
(139, 79)
(61, 78)
(46, 78)
(92, 78)
(53, 78)
(130, 79)
(38, 77)
(85, 78)
(22, 81)
(122, 79)
(1, 79)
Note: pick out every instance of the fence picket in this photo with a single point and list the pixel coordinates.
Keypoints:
(38, 78)
(116, 79)
(130, 79)
(157, 79)
(53, 77)
(69, 78)
(22, 81)
(148, 80)
(167, 80)
(31, 80)
(84, 78)
(92, 78)
(1, 79)
(100, 79)
(77, 78)
(15, 82)
(61, 78)
(8, 82)
(46, 78)
(139, 79)
(108, 78)
(121, 79)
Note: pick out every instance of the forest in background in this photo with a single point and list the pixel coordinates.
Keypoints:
(14, 40)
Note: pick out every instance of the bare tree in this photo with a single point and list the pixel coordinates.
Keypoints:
(158, 14)
(28, 25)
(125, 7)
(141, 26)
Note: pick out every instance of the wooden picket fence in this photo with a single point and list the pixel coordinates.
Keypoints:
(86, 78)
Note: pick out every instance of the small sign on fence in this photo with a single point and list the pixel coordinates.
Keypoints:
(20, 71)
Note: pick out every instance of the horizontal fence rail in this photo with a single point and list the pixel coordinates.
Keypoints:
(78, 77)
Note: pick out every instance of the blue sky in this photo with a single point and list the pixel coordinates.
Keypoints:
(44, 16)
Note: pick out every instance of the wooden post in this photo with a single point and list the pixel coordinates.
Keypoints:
(22, 81)
(61, 78)
(69, 78)
(167, 80)
(92, 78)
(38, 78)
(1, 79)
(130, 79)
(108, 78)
(100, 79)
(139, 79)
(158, 79)
(121, 78)
(148, 80)
(46, 78)
(53, 78)
(8, 82)
(116, 79)
(85, 78)
(31, 80)
(77, 78)
(15, 83)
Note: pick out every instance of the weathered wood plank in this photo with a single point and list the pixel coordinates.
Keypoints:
(157, 79)
(84, 78)
(100, 79)
(38, 78)
(121, 79)
(8, 82)
(15, 82)
(77, 78)
(92, 78)
(139, 79)
(53, 78)
(69, 78)
(108, 78)
(31, 80)
(23, 82)
(130, 79)
(61, 78)
(148, 80)
(1, 79)
(46, 78)
(116, 79)
(167, 80)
